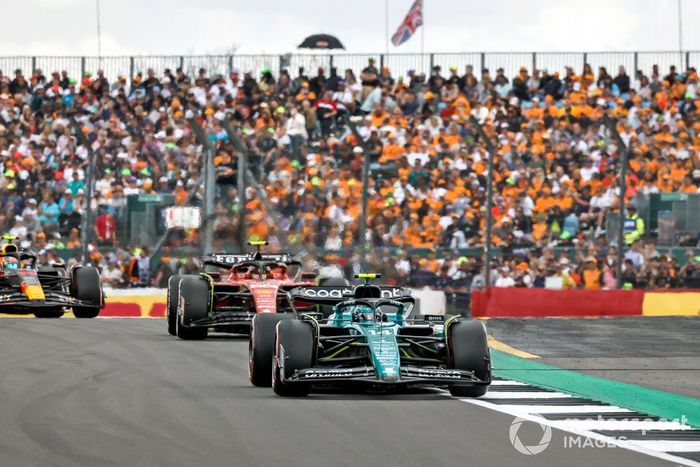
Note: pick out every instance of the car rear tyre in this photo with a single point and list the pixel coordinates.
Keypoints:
(49, 313)
(171, 303)
(193, 304)
(469, 350)
(294, 350)
(86, 286)
(261, 347)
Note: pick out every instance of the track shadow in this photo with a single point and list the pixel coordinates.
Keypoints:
(227, 337)
(350, 394)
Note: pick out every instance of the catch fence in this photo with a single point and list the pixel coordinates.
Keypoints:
(399, 63)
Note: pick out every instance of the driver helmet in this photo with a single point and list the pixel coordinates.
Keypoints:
(242, 272)
(9, 262)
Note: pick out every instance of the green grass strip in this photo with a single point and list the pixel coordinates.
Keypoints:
(650, 401)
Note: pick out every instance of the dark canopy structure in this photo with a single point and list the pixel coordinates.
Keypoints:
(321, 41)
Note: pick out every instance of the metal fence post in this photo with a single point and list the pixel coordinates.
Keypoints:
(489, 198)
(611, 125)
(432, 62)
(86, 227)
(33, 65)
(636, 62)
(381, 61)
(365, 178)
(241, 148)
(482, 61)
(585, 58)
(330, 61)
(687, 60)
(534, 61)
(207, 235)
(132, 71)
(182, 63)
(240, 184)
(82, 67)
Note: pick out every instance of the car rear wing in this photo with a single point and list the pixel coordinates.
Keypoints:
(225, 260)
(332, 295)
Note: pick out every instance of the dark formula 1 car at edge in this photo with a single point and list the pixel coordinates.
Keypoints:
(46, 291)
(227, 298)
(369, 340)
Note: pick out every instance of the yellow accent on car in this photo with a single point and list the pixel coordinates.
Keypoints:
(257, 243)
(368, 275)
(34, 292)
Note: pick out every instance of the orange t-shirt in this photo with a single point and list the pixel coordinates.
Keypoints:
(591, 279)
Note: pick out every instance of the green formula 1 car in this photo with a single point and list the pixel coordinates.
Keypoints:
(370, 340)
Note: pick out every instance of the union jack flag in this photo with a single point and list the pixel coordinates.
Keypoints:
(410, 23)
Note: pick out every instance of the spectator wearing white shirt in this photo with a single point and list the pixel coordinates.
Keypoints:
(296, 129)
(588, 170)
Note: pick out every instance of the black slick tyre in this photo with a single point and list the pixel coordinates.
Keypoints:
(294, 350)
(171, 303)
(193, 304)
(469, 350)
(261, 347)
(86, 286)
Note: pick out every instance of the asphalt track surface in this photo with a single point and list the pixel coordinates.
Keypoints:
(658, 352)
(123, 392)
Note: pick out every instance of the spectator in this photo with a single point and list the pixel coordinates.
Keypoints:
(555, 179)
(622, 81)
(105, 228)
(112, 276)
(163, 273)
(139, 270)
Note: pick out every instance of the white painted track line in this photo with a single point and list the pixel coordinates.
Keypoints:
(667, 446)
(553, 409)
(524, 395)
(501, 382)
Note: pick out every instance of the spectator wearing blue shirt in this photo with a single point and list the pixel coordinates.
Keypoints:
(65, 205)
(48, 210)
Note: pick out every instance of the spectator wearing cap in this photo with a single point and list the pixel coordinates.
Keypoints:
(112, 275)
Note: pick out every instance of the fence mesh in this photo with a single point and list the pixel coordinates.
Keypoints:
(398, 63)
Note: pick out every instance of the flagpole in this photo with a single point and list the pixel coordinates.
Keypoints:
(386, 26)
(422, 39)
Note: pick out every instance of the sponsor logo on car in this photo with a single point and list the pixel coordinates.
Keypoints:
(330, 373)
(347, 292)
(439, 374)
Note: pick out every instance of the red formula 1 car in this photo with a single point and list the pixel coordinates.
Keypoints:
(228, 298)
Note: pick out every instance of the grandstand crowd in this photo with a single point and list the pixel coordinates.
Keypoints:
(555, 177)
